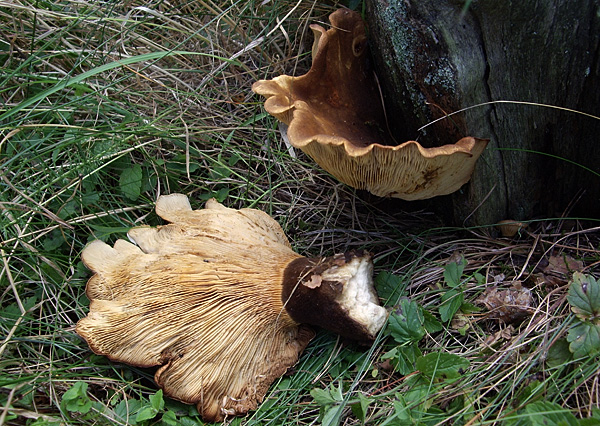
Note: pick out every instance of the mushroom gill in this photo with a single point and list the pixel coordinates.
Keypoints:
(205, 299)
(335, 115)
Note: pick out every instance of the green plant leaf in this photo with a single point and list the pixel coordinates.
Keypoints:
(328, 399)
(584, 297)
(221, 194)
(330, 417)
(406, 323)
(403, 358)
(130, 182)
(534, 390)
(147, 412)
(179, 164)
(543, 413)
(388, 287)
(359, 409)
(432, 325)
(584, 339)
(126, 408)
(410, 406)
(442, 365)
(453, 272)
(169, 419)
(452, 300)
(219, 173)
(469, 308)
(403, 412)
(479, 278)
(188, 421)
(157, 401)
(76, 398)
(559, 354)
(324, 397)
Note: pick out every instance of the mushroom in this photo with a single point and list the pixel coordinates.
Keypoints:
(510, 228)
(335, 115)
(220, 302)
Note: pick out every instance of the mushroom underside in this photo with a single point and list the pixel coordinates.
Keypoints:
(335, 115)
(202, 299)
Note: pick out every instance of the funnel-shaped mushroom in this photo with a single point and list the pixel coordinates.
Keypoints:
(334, 114)
(219, 301)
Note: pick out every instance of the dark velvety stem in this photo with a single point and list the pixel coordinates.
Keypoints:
(310, 300)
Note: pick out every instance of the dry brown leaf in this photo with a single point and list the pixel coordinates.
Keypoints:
(558, 270)
(562, 265)
(509, 305)
(460, 323)
(504, 334)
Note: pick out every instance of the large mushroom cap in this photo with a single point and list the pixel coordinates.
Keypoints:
(203, 299)
(335, 115)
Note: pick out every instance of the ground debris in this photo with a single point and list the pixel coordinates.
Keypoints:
(505, 333)
(562, 265)
(510, 305)
(557, 272)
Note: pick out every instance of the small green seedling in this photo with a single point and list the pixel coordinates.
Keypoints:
(584, 298)
(453, 299)
(329, 400)
(76, 398)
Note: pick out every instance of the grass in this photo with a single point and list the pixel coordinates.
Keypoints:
(105, 106)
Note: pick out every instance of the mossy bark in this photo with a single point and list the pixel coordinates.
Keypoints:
(434, 57)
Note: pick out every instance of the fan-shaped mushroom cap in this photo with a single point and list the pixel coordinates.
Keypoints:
(202, 298)
(335, 116)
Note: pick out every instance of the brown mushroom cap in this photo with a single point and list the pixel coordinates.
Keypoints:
(335, 115)
(202, 298)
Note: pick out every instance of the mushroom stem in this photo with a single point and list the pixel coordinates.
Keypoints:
(334, 293)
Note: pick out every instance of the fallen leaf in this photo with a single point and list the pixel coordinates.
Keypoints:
(548, 280)
(460, 323)
(504, 334)
(557, 270)
(456, 257)
(510, 305)
(562, 265)
(386, 366)
(499, 279)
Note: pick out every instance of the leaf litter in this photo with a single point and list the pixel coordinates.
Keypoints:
(525, 315)
(511, 305)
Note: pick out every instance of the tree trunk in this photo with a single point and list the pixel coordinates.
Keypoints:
(435, 57)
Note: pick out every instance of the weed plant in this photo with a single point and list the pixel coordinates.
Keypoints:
(107, 105)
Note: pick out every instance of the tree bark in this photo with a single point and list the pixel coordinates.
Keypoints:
(435, 57)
